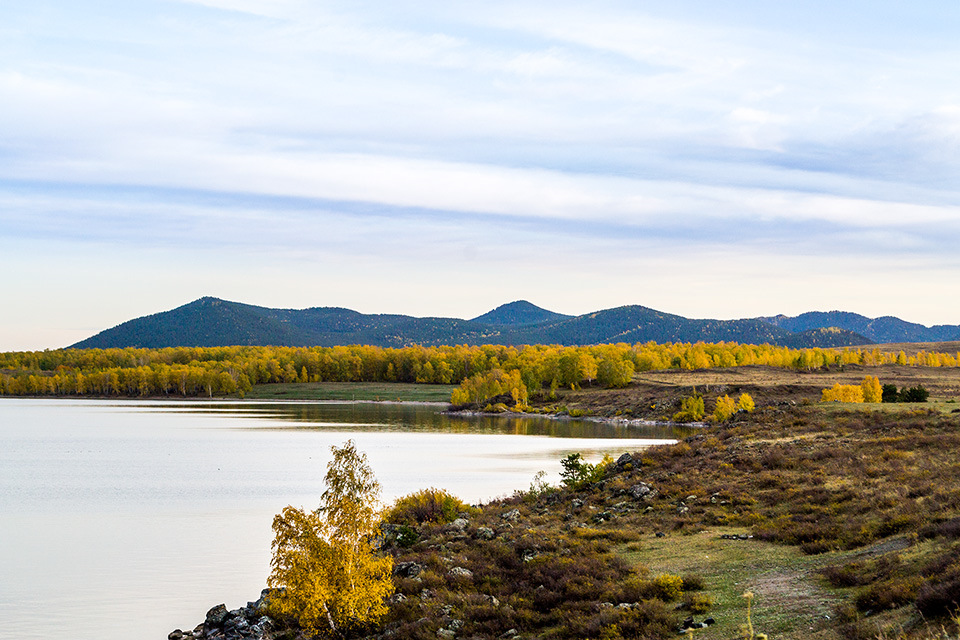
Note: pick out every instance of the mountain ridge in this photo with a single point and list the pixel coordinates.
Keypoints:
(885, 329)
(211, 321)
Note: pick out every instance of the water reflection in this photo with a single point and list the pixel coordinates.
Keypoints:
(367, 416)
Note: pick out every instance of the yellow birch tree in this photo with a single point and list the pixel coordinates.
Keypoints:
(329, 576)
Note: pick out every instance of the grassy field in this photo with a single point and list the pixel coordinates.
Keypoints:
(791, 600)
(366, 391)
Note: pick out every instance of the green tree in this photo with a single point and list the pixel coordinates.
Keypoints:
(332, 580)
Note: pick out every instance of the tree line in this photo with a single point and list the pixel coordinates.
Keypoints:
(233, 371)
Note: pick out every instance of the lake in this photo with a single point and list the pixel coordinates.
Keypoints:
(128, 519)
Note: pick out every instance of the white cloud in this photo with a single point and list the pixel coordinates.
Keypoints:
(592, 134)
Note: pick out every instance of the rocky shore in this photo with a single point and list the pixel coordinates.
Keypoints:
(247, 623)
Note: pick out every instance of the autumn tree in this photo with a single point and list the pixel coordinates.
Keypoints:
(613, 373)
(691, 409)
(872, 391)
(724, 409)
(843, 393)
(330, 579)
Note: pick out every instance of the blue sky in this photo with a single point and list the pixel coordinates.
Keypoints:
(708, 159)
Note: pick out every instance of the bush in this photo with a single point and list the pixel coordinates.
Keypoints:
(691, 409)
(889, 393)
(698, 603)
(668, 587)
(427, 505)
(577, 473)
(914, 394)
(724, 409)
(888, 594)
(940, 597)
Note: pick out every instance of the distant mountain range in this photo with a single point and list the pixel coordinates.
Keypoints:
(210, 322)
(881, 330)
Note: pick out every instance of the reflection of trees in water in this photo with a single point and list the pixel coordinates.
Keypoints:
(419, 418)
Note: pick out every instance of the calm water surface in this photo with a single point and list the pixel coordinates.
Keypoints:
(128, 519)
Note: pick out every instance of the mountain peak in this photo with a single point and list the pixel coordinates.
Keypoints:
(519, 313)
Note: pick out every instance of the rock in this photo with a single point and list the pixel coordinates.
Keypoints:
(460, 572)
(661, 534)
(407, 569)
(460, 524)
(446, 634)
(624, 460)
(576, 503)
(397, 598)
(509, 633)
(511, 516)
(640, 491)
(176, 634)
(486, 533)
(216, 616)
(491, 600)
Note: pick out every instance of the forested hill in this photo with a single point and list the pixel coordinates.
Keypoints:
(883, 329)
(210, 322)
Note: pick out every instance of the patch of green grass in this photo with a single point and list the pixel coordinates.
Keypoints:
(941, 406)
(790, 597)
(366, 391)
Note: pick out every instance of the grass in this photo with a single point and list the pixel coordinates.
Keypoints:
(365, 391)
(791, 601)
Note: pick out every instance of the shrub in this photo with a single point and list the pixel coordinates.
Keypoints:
(745, 403)
(914, 394)
(693, 582)
(888, 594)
(697, 602)
(939, 597)
(577, 473)
(889, 393)
(426, 505)
(668, 587)
(724, 409)
(691, 409)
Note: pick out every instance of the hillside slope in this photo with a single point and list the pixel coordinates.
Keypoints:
(883, 330)
(211, 322)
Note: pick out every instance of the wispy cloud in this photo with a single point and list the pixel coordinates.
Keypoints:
(507, 141)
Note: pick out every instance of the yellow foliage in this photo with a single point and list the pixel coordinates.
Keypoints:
(725, 408)
(329, 576)
(483, 386)
(669, 587)
(691, 409)
(843, 393)
(872, 391)
(745, 403)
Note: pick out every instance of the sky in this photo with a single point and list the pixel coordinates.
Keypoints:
(709, 159)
